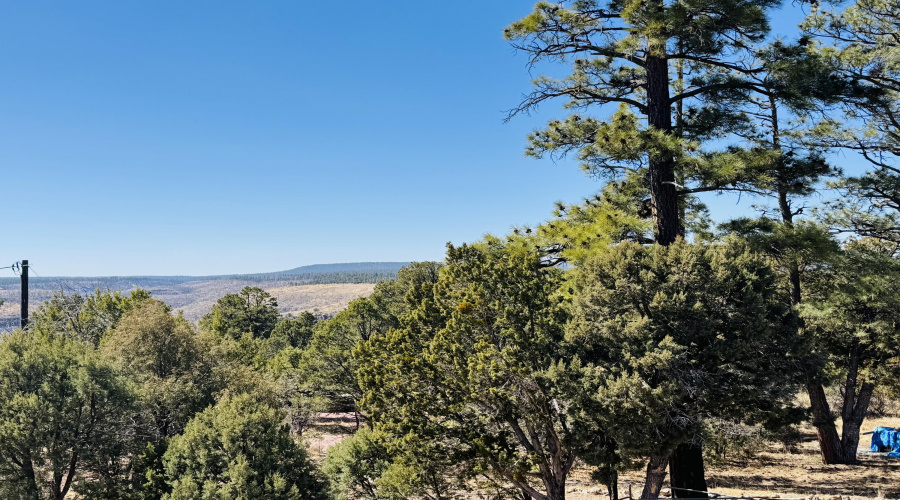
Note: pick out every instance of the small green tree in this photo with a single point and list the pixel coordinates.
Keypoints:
(177, 373)
(477, 376)
(84, 317)
(253, 311)
(852, 312)
(328, 365)
(354, 466)
(398, 293)
(322, 375)
(293, 332)
(63, 414)
(239, 449)
(370, 465)
(165, 356)
(673, 335)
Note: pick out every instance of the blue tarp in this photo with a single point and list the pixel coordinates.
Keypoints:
(886, 439)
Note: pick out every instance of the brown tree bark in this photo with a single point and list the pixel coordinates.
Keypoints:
(31, 489)
(784, 205)
(612, 488)
(656, 474)
(556, 491)
(855, 406)
(663, 192)
(686, 472)
(853, 423)
(667, 218)
(842, 449)
(823, 420)
(830, 445)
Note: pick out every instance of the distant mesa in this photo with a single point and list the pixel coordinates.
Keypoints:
(349, 267)
(365, 268)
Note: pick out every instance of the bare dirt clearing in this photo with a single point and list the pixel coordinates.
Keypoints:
(330, 430)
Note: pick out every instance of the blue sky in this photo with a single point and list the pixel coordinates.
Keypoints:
(227, 137)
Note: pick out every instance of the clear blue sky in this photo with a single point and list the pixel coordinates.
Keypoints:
(226, 137)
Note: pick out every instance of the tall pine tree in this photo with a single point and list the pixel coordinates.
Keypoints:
(673, 70)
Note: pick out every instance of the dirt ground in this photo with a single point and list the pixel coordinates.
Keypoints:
(774, 473)
(330, 430)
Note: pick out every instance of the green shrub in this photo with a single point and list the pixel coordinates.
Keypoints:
(239, 449)
(354, 465)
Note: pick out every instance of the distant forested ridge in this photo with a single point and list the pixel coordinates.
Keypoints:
(194, 294)
(323, 274)
(316, 274)
(351, 267)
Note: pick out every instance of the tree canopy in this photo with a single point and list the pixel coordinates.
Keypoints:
(239, 448)
(63, 412)
(634, 56)
(253, 311)
(626, 331)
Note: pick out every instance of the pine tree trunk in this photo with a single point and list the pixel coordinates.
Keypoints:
(686, 472)
(656, 474)
(787, 216)
(855, 406)
(663, 190)
(612, 488)
(556, 490)
(830, 444)
(663, 195)
(852, 425)
(31, 489)
(823, 420)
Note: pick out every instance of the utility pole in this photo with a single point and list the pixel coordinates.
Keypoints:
(24, 301)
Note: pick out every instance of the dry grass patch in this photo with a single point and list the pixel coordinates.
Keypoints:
(326, 299)
(329, 430)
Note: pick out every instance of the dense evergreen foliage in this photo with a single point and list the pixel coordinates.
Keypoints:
(251, 311)
(239, 449)
(63, 411)
(626, 332)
